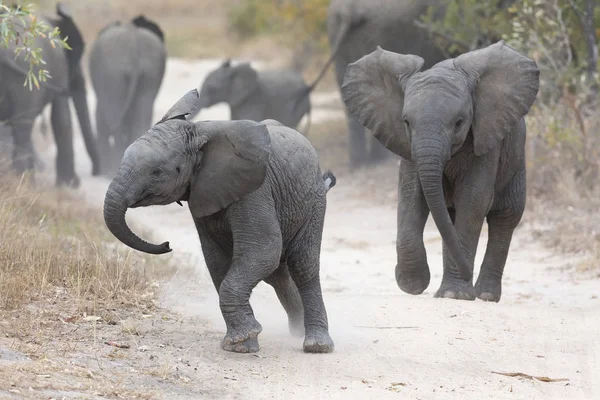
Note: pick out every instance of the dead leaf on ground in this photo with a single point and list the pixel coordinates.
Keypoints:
(527, 376)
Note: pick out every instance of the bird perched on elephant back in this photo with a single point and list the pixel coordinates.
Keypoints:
(20, 106)
(460, 132)
(257, 196)
(281, 94)
(127, 66)
(356, 27)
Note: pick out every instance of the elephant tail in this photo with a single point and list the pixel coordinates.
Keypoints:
(345, 27)
(329, 180)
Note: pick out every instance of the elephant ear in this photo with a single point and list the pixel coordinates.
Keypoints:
(70, 32)
(373, 91)
(244, 82)
(142, 22)
(507, 83)
(234, 164)
(185, 106)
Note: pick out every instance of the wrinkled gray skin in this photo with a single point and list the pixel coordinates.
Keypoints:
(460, 132)
(281, 95)
(257, 196)
(356, 27)
(127, 66)
(19, 106)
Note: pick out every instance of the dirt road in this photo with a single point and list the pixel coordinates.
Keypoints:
(388, 344)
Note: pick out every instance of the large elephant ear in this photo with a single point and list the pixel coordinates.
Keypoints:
(244, 82)
(70, 31)
(185, 106)
(507, 85)
(234, 164)
(373, 91)
(143, 22)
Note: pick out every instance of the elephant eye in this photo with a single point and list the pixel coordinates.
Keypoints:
(406, 124)
(157, 172)
(178, 170)
(458, 123)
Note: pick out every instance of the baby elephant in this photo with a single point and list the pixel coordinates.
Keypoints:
(281, 95)
(257, 196)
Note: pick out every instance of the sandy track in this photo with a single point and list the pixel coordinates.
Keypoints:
(388, 344)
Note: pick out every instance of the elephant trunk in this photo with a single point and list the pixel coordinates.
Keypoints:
(431, 153)
(79, 95)
(115, 207)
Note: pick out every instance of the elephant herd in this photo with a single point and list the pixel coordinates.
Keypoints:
(254, 186)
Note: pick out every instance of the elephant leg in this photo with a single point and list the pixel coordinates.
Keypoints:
(304, 265)
(257, 246)
(289, 296)
(217, 259)
(378, 153)
(104, 148)
(23, 153)
(63, 135)
(473, 199)
(412, 271)
(358, 145)
(502, 221)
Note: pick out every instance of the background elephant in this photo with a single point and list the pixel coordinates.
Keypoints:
(356, 27)
(258, 199)
(460, 131)
(127, 65)
(19, 106)
(281, 95)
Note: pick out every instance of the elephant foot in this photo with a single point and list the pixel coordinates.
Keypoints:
(413, 281)
(296, 326)
(243, 339)
(488, 289)
(456, 289)
(96, 171)
(72, 182)
(318, 341)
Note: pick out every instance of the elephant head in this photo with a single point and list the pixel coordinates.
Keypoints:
(230, 84)
(77, 89)
(209, 164)
(426, 116)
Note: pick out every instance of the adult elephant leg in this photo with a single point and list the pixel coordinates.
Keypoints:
(104, 148)
(412, 271)
(253, 261)
(357, 143)
(63, 135)
(502, 221)
(378, 153)
(473, 199)
(289, 296)
(23, 153)
(304, 265)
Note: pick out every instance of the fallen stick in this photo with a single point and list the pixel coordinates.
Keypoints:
(527, 376)
(387, 327)
(115, 344)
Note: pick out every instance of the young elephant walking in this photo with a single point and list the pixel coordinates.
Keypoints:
(459, 129)
(258, 198)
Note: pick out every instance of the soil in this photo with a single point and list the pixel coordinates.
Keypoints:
(389, 344)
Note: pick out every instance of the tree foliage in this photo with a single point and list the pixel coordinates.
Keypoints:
(300, 20)
(20, 28)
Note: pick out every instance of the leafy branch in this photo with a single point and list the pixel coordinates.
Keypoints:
(19, 29)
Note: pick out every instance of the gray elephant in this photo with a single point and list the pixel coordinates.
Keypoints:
(356, 27)
(460, 132)
(19, 106)
(258, 198)
(127, 66)
(281, 95)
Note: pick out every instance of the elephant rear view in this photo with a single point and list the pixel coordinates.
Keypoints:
(127, 65)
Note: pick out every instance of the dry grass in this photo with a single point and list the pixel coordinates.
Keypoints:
(50, 241)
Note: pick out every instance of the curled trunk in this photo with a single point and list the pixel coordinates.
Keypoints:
(115, 207)
(431, 157)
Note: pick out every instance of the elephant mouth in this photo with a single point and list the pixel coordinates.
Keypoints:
(147, 199)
